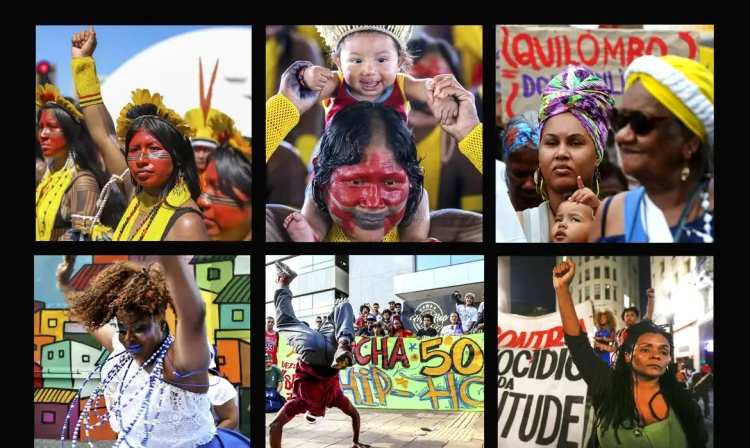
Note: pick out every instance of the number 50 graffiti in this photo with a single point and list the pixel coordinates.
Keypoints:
(442, 373)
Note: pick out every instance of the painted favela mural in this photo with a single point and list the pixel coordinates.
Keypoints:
(65, 354)
(441, 373)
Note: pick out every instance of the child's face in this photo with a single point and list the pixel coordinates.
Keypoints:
(572, 223)
(369, 62)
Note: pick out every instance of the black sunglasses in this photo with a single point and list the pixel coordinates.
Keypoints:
(639, 122)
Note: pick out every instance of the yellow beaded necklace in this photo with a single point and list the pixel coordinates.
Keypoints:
(49, 196)
(158, 215)
(337, 235)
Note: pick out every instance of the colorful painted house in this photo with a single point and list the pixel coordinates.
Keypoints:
(37, 375)
(52, 323)
(66, 364)
(233, 360)
(213, 272)
(234, 307)
(50, 409)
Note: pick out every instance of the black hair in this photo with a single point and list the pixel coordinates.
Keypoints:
(703, 158)
(364, 307)
(177, 145)
(350, 133)
(633, 309)
(617, 409)
(85, 155)
(233, 170)
(432, 319)
(422, 45)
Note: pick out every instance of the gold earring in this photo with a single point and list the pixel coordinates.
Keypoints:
(685, 172)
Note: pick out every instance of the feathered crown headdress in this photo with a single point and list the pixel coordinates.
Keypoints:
(225, 132)
(198, 118)
(334, 34)
(143, 96)
(49, 94)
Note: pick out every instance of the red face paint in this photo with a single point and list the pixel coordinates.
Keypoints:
(149, 163)
(368, 199)
(430, 66)
(51, 137)
(221, 214)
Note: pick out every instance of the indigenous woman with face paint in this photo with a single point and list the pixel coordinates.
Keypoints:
(639, 402)
(665, 133)
(296, 97)
(155, 379)
(151, 142)
(573, 126)
(67, 193)
(226, 198)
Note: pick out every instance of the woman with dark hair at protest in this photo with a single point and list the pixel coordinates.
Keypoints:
(639, 402)
(573, 126)
(151, 143)
(68, 192)
(665, 133)
(605, 333)
(155, 380)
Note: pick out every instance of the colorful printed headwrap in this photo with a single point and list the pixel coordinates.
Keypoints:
(520, 133)
(581, 92)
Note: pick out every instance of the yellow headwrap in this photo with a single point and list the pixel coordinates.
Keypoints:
(684, 86)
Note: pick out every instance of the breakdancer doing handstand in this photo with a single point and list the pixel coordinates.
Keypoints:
(321, 354)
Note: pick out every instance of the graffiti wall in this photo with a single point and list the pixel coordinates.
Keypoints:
(442, 373)
(65, 355)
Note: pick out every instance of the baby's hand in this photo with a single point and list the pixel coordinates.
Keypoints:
(316, 77)
(445, 110)
(298, 228)
(585, 196)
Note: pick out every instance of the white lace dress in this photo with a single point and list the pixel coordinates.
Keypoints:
(185, 420)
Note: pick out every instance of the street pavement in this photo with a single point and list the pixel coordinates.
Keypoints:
(393, 429)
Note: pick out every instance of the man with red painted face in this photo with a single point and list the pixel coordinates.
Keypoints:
(639, 402)
(227, 194)
(368, 190)
(70, 185)
(321, 356)
(151, 142)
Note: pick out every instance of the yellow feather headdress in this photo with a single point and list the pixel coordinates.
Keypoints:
(334, 34)
(49, 94)
(225, 132)
(143, 96)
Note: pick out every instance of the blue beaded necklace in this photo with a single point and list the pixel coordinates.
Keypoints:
(155, 379)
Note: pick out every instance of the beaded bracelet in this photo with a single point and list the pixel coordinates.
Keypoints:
(301, 77)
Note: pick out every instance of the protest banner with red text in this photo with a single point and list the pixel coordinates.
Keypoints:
(528, 57)
(542, 399)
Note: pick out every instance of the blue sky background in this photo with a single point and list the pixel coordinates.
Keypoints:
(121, 43)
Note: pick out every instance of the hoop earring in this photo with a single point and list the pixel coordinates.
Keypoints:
(597, 178)
(539, 182)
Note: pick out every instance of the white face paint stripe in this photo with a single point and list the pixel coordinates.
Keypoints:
(150, 156)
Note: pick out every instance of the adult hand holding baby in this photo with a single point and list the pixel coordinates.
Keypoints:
(301, 97)
(585, 196)
(467, 118)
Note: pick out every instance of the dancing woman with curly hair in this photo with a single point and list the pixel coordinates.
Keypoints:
(155, 379)
(639, 402)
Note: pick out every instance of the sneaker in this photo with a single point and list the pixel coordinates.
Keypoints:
(343, 357)
(285, 272)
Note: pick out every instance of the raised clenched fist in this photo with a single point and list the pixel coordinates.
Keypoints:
(83, 43)
(563, 274)
(65, 269)
(302, 97)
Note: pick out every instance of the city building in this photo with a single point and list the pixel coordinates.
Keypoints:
(610, 281)
(684, 290)
(322, 279)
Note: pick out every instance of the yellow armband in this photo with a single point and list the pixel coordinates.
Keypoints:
(471, 147)
(281, 117)
(86, 81)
